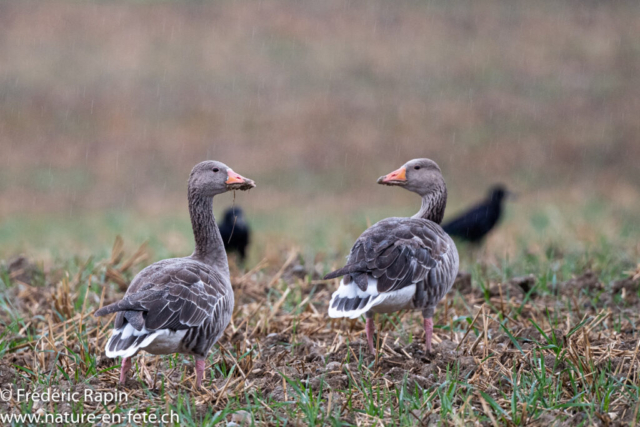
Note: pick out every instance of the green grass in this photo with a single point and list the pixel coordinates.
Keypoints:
(536, 378)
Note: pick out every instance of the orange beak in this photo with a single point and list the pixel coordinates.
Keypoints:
(234, 178)
(399, 175)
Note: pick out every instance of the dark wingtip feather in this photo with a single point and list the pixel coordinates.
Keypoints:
(111, 308)
(334, 274)
(351, 268)
(102, 312)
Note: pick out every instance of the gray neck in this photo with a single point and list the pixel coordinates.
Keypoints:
(433, 205)
(209, 245)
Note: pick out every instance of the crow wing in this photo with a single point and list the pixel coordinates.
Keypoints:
(473, 224)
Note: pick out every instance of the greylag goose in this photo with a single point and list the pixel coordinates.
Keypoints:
(181, 305)
(400, 263)
(478, 221)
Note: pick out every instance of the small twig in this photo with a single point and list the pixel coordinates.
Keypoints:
(470, 327)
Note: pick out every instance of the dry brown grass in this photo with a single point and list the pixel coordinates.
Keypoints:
(579, 364)
(105, 107)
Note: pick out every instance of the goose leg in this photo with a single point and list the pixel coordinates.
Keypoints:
(428, 332)
(124, 367)
(370, 329)
(199, 371)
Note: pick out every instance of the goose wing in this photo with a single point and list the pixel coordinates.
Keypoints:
(172, 294)
(397, 252)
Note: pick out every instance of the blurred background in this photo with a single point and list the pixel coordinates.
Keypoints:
(105, 107)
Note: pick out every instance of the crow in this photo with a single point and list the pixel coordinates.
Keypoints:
(235, 232)
(476, 223)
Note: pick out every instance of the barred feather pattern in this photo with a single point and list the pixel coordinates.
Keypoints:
(199, 340)
(409, 262)
(174, 298)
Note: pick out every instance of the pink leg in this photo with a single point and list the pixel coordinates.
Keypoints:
(124, 367)
(199, 372)
(370, 328)
(428, 332)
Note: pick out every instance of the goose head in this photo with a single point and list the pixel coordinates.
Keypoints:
(210, 178)
(421, 176)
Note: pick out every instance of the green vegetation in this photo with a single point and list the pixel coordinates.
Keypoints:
(560, 347)
(106, 106)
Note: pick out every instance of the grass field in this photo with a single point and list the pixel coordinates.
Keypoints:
(538, 339)
(106, 106)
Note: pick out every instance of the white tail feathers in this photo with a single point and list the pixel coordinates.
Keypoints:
(352, 302)
(127, 341)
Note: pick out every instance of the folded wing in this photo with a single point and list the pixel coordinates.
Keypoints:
(386, 263)
(175, 295)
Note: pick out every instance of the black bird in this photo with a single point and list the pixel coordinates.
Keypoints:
(235, 232)
(476, 223)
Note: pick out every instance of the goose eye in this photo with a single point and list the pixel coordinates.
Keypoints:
(416, 167)
(216, 170)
